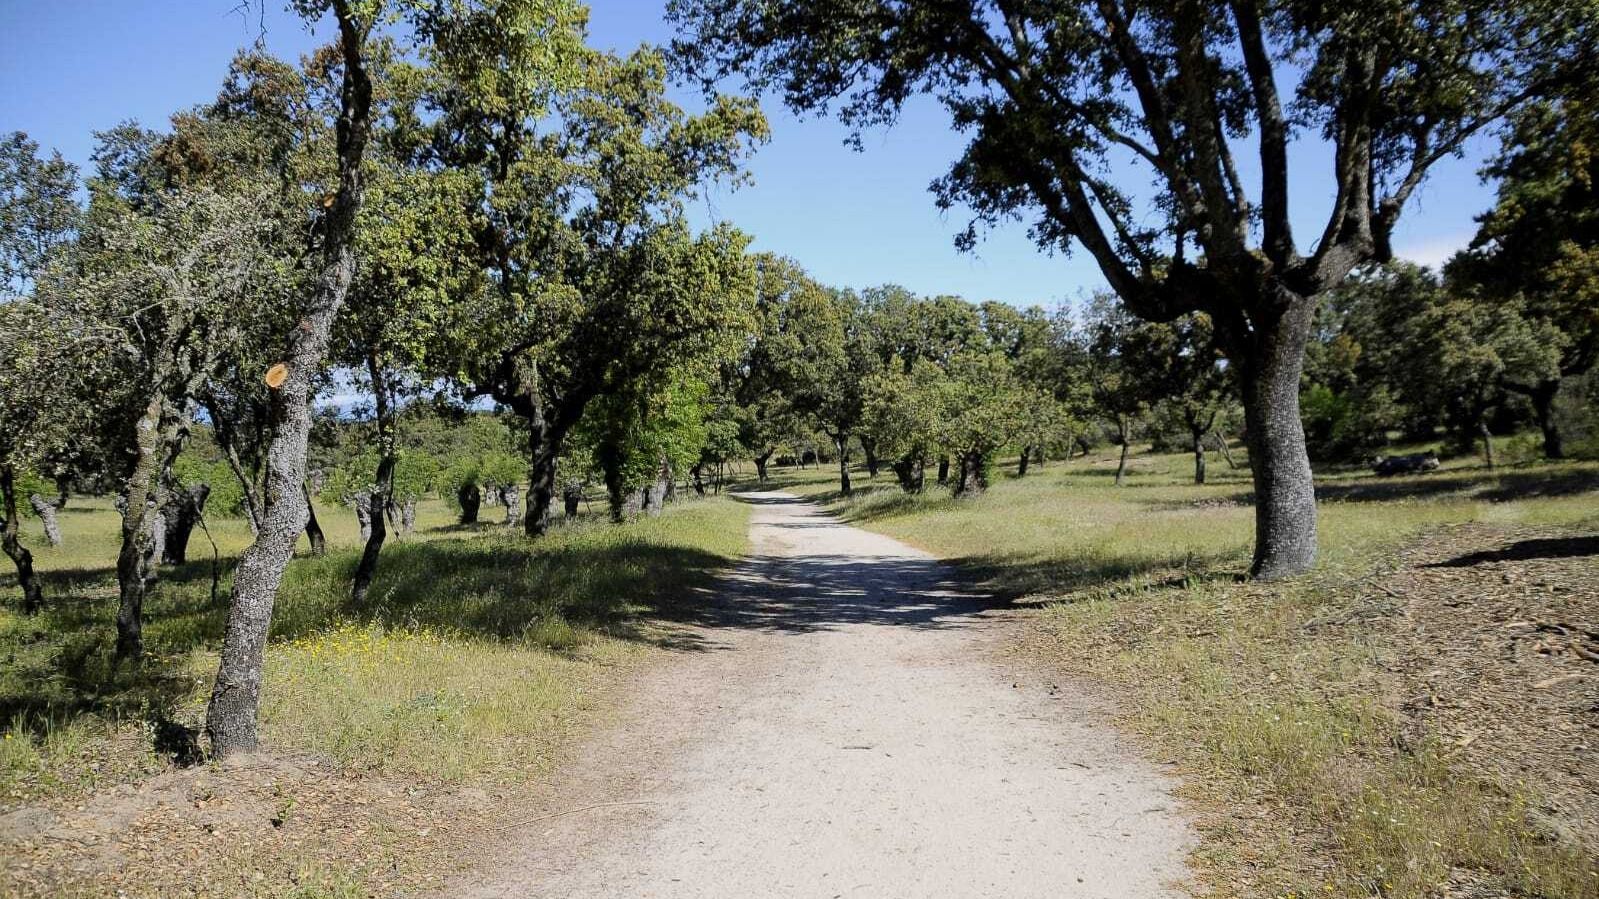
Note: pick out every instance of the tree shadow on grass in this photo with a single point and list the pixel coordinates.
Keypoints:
(509, 589)
(1073, 577)
(60, 664)
(1526, 551)
(1489, 485)
(804, 591)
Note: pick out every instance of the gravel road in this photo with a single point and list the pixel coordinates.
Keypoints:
(838, 721)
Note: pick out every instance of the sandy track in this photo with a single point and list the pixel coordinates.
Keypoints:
(836, 725)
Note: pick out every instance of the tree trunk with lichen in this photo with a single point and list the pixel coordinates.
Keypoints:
(231, 716)
(1269, 363)
(911, 471)
(46, 510)
(971, 477)
(141, 502)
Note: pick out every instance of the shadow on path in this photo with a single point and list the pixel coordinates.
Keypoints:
(818, 581)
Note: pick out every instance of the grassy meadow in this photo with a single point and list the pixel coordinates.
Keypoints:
(477, 655)
(473, 653)
(1296, 761)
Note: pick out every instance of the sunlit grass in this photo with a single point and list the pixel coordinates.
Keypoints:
(1140, 591)
(475, 650)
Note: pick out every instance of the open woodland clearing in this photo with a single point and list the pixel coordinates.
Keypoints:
(434, 462)
(1384, 714)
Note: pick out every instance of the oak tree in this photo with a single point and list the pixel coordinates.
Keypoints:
(1056, 96)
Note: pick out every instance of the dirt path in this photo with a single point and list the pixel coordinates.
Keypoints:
(839, 726)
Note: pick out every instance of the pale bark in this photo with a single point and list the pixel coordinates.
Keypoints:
(512, 495)
(235, 698)
(361, 505)
(141, 500)
(46, 510)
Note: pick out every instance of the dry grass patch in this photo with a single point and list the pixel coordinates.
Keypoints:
(1285, 705)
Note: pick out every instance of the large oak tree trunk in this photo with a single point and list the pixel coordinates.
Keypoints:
(512, 495)
(1285, 495)
(377, 530)
(869, 447)
(911, 471)
(236, 696)
(973, 475)
(182, 513)
(361, 505)
(654, 497)
(616, 493)
(546, 445)
(11, 541)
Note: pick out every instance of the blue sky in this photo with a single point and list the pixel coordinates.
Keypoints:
(71, 67)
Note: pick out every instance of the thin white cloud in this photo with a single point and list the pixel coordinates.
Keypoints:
(1434, 251)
